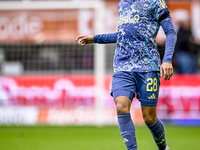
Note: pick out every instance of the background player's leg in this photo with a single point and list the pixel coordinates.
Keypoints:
(155, 125)
(126, 125)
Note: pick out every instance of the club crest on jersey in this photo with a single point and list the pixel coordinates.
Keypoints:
(138, 6)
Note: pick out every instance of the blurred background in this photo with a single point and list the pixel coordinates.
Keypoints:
(55, 94)
(46, 78)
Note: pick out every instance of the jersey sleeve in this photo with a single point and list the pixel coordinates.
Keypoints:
(106, 38)
(159, 9)
(171, 37)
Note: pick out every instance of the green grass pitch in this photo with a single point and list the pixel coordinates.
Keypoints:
(91, 138)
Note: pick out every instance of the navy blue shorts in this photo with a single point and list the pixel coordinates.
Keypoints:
(145, 85)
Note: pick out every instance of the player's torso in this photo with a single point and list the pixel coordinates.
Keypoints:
(136, 19)
(137, 29)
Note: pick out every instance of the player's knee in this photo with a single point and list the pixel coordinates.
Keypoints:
(149, 120)
(122, 108)
(122, 104)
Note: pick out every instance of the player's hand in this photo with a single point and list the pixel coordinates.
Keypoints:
(166, 69)
(85, 39)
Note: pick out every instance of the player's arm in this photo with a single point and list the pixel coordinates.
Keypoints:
(105, 38)
(161, 13)
(166, 68)
(99, 38)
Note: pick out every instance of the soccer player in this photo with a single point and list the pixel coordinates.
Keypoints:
(137, 65)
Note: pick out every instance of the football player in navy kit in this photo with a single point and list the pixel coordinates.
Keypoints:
(137, 65)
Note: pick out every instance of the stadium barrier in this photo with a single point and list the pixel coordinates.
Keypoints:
(70, 100)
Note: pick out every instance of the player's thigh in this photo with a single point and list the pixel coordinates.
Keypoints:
(123, 84)
(148, 88)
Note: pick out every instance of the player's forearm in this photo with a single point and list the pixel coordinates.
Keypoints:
(171, 37)
(169, 47)
(106, 38)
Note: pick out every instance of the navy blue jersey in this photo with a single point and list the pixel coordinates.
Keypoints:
(138, 25)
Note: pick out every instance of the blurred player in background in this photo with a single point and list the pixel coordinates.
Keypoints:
(137, 65)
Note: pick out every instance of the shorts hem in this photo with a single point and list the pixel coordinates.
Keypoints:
(111, 93)
(122, 92)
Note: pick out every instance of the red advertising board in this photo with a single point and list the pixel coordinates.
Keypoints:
(54, 96)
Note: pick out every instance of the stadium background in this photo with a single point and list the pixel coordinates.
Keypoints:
(48, 79)
(54, 94)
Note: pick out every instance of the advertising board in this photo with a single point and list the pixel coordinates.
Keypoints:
(70, 99)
